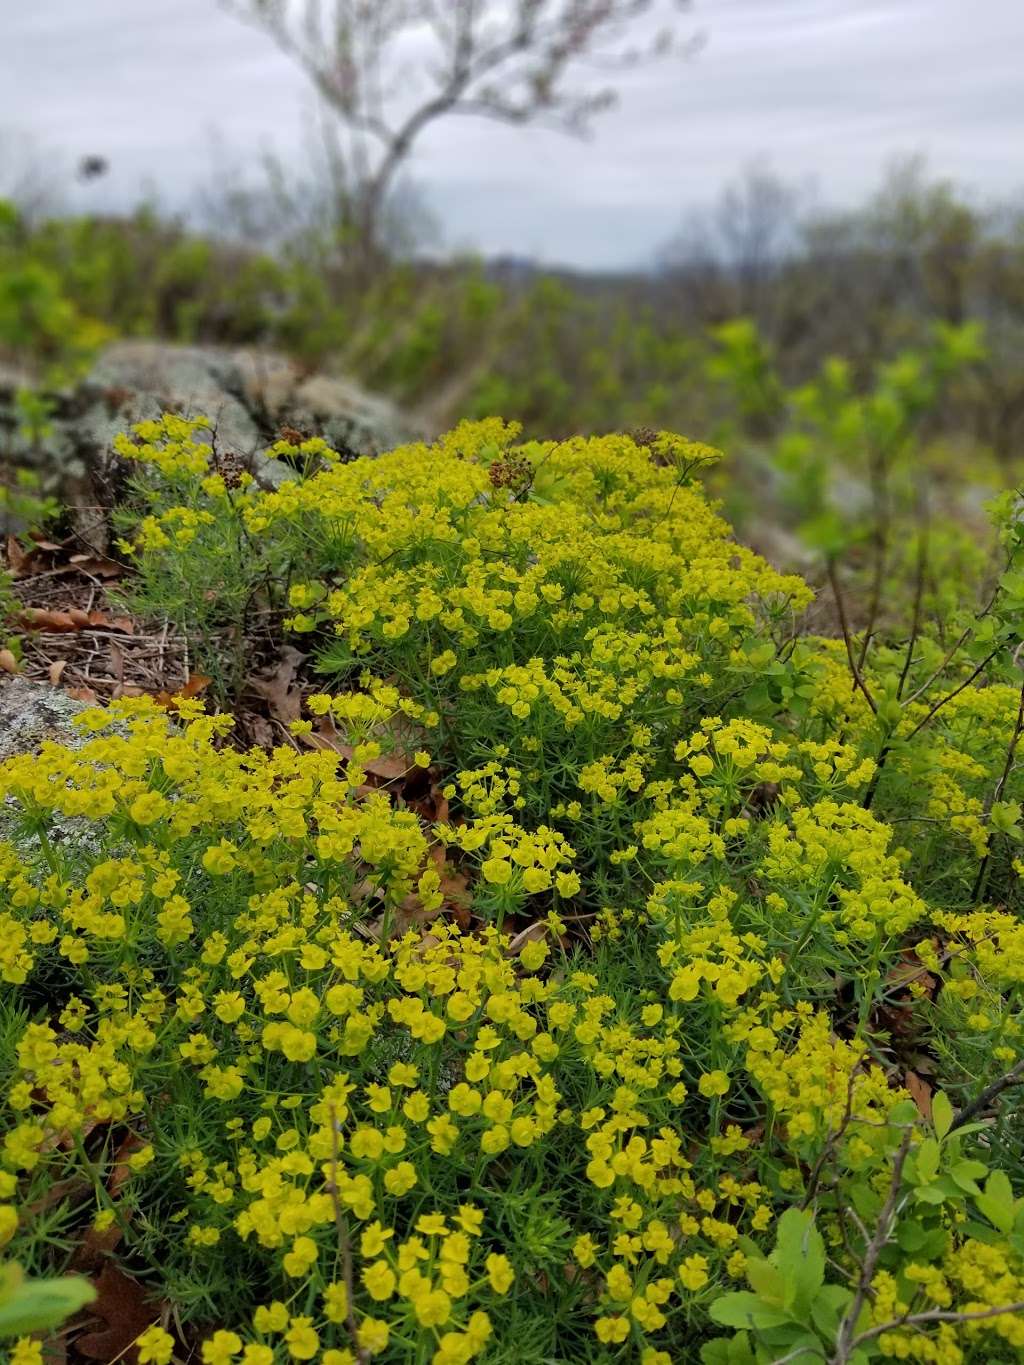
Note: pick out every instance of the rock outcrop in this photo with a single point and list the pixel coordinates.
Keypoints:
(249, 395)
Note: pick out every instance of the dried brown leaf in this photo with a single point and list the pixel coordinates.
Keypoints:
(121, 1172)
(17, 557)
(533, 933)
(48, 621)
(196, 685)
(277, 688)
(921, 1093)
(116, 661)
(123, 1310)
(95, 567)
(52, 622)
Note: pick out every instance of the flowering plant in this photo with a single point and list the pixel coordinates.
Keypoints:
(670, 1053)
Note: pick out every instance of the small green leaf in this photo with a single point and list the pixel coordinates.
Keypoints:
(904, 1112)
(746, 1310)
(942, 1113)
(910, 1237)
(930, 1194)
(980, 1232)
(927, 1162)
(728, 1351)
(998, 1186)
(800, 1256)
(828, 1308)
(1004, 816)
(28, 1306)
(997, 1203)
(966, 1175)
(865, 1200)
(767, 1282)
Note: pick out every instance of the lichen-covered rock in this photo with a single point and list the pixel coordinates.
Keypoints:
(249, 395)
(32, 713)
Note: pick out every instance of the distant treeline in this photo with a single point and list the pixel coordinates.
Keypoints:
(563, 351)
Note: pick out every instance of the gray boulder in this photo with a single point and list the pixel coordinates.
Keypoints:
(249, 395)
(32, 713)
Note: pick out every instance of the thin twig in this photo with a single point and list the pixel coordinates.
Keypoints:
(915, 625)
(880, 545)
(991, 1092)
(800, 1351)
(344, 1246)
(985, 611)
(844, 625)
(955, 692)
(832, 1141)
(935, 1315)
(982, 877)
(874, 1249)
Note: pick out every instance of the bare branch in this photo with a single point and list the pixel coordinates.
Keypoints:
(518, 61)
(344, 1246)
(934, 1315)
(874, 1249)
(844, 625)
(1011, 753)
(990, 1093)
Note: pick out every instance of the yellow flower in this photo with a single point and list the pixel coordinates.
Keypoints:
(379, 1280)
(693, 1272)
(26, 1352)
(567, 884)
(221, 1348)
(256, 1354)
(713, 1083)
(154, 1346)
(432, 1308)
(271, 1317)
(302, 1255)
(612, 1330)
(373, 1335)
(400, 1179)
(301, 1339)
(497, 871)
(8, 1223)
(500, 1273)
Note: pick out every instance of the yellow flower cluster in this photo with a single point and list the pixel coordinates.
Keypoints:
(562, 1131)
(169, 444)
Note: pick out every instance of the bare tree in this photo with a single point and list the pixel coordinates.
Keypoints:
(730, 256)
(300, 205)
(756, 221)
(390, 68)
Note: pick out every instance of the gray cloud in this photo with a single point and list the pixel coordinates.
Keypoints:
(823, 89)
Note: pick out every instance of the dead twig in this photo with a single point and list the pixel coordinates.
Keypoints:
(991, 1092)
(879, 1240)
(934, 1315)
(344, 1246)
(844, 625)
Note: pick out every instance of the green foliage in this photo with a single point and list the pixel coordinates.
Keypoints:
(28, 1305)
(39, 317)
(729, 888)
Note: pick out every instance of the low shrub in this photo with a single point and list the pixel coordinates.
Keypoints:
(708, 1072)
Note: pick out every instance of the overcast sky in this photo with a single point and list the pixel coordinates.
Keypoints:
(824, 91)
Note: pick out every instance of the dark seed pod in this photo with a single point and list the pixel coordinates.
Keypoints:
(763, 798)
